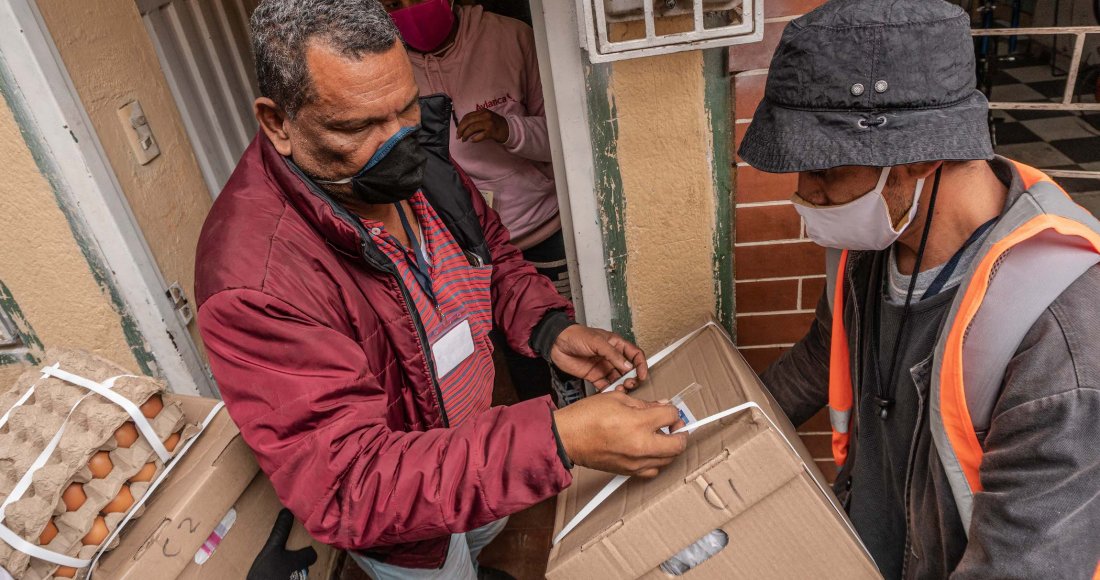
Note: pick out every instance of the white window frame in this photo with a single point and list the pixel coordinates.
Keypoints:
(596, 21)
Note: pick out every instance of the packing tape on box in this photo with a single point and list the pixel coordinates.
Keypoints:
(619, 480)
(104, 389)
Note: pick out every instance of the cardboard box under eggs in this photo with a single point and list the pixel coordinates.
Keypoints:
(745, 485)
(209, 519)
(82, 479)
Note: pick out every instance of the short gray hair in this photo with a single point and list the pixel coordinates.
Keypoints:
(283, 29)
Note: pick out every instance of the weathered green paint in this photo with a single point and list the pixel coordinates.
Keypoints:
(719, 104)
(43, 158)
(603, 121)
(35, 350)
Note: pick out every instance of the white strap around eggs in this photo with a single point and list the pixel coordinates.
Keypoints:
(104, 389)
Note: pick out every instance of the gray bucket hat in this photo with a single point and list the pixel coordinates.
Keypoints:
(870, 82)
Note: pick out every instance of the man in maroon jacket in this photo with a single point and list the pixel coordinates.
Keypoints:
(347, 318)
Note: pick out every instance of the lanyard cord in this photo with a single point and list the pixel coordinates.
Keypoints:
(420, 268)
(884, 390)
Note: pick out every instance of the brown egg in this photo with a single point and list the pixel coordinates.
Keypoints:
(97, 534)
(49, 533)
(65, 572)
(146, 473)
(172, 441)
(74, 497)
(152, 407)
(126, 434)
(101, 464)
(122, 501)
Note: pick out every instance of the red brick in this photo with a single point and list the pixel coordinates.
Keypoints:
(828, 469)
(820, 446)
(817, 423)
(772, 328)
(812, 289)
(779, 8)
(756, 54)
(779, 260)
(739, 130)
(767, 296)
(760, 358)
(747, 92)
(754, 185)
(768, 223)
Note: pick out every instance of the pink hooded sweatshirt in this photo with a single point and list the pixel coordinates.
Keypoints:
(492, 65)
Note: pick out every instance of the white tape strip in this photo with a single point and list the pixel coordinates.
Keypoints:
(156, 483)
(619, 480)
(13, 539)
(104, 389)
(127, 405)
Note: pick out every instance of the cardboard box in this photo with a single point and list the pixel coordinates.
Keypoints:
(255, 513)
(187, 506)
(218, 474)
(748, 475)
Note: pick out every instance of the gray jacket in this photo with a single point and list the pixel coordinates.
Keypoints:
(1039, 513)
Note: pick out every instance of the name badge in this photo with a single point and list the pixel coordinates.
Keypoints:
(455, 346)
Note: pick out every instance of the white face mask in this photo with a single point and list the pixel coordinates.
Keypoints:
(861, 224)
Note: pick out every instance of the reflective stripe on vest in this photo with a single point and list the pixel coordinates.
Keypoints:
(1037, 249)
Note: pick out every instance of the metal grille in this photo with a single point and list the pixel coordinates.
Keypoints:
(611, 30)
(203, 46)
(1066, 103)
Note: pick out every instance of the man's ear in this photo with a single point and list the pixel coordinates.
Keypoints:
(273, 120)
(922, 170)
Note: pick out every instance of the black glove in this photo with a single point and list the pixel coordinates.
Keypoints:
(274, 561)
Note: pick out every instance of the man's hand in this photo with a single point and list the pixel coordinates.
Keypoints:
(617, 433)
(598, 356)
(274, 561)
(483, 124)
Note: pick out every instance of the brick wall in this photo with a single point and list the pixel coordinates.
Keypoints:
(779, 272)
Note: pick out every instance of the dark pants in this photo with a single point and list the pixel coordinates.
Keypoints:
(531, 376)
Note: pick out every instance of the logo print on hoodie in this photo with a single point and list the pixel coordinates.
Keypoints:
(495, 102)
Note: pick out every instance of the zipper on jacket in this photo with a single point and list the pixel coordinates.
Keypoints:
(909, 553)
(425, 347)
(422, 336)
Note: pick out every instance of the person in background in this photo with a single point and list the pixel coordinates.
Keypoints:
(486, 63)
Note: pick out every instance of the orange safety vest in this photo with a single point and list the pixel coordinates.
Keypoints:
(1040, 245)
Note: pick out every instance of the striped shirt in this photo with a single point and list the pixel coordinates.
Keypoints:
(462, 292)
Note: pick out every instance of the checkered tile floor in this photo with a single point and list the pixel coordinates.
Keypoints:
(1047, 139)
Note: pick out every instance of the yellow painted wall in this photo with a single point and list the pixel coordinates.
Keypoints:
(111, 60)
(664, 152)
(42, 265)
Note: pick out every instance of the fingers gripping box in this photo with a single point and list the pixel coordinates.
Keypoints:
(745, 478)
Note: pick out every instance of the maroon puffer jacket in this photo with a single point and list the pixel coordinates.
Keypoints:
(319, 362)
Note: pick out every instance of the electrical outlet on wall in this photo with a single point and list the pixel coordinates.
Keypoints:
(138, 132)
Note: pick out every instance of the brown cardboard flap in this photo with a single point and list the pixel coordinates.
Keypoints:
(256, 509)
(729, 477)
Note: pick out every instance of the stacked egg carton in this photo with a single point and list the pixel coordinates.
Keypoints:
(101, 467)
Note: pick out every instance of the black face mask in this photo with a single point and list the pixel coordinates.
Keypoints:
(394, 173)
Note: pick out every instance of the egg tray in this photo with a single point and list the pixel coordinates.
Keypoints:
(90, 429)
